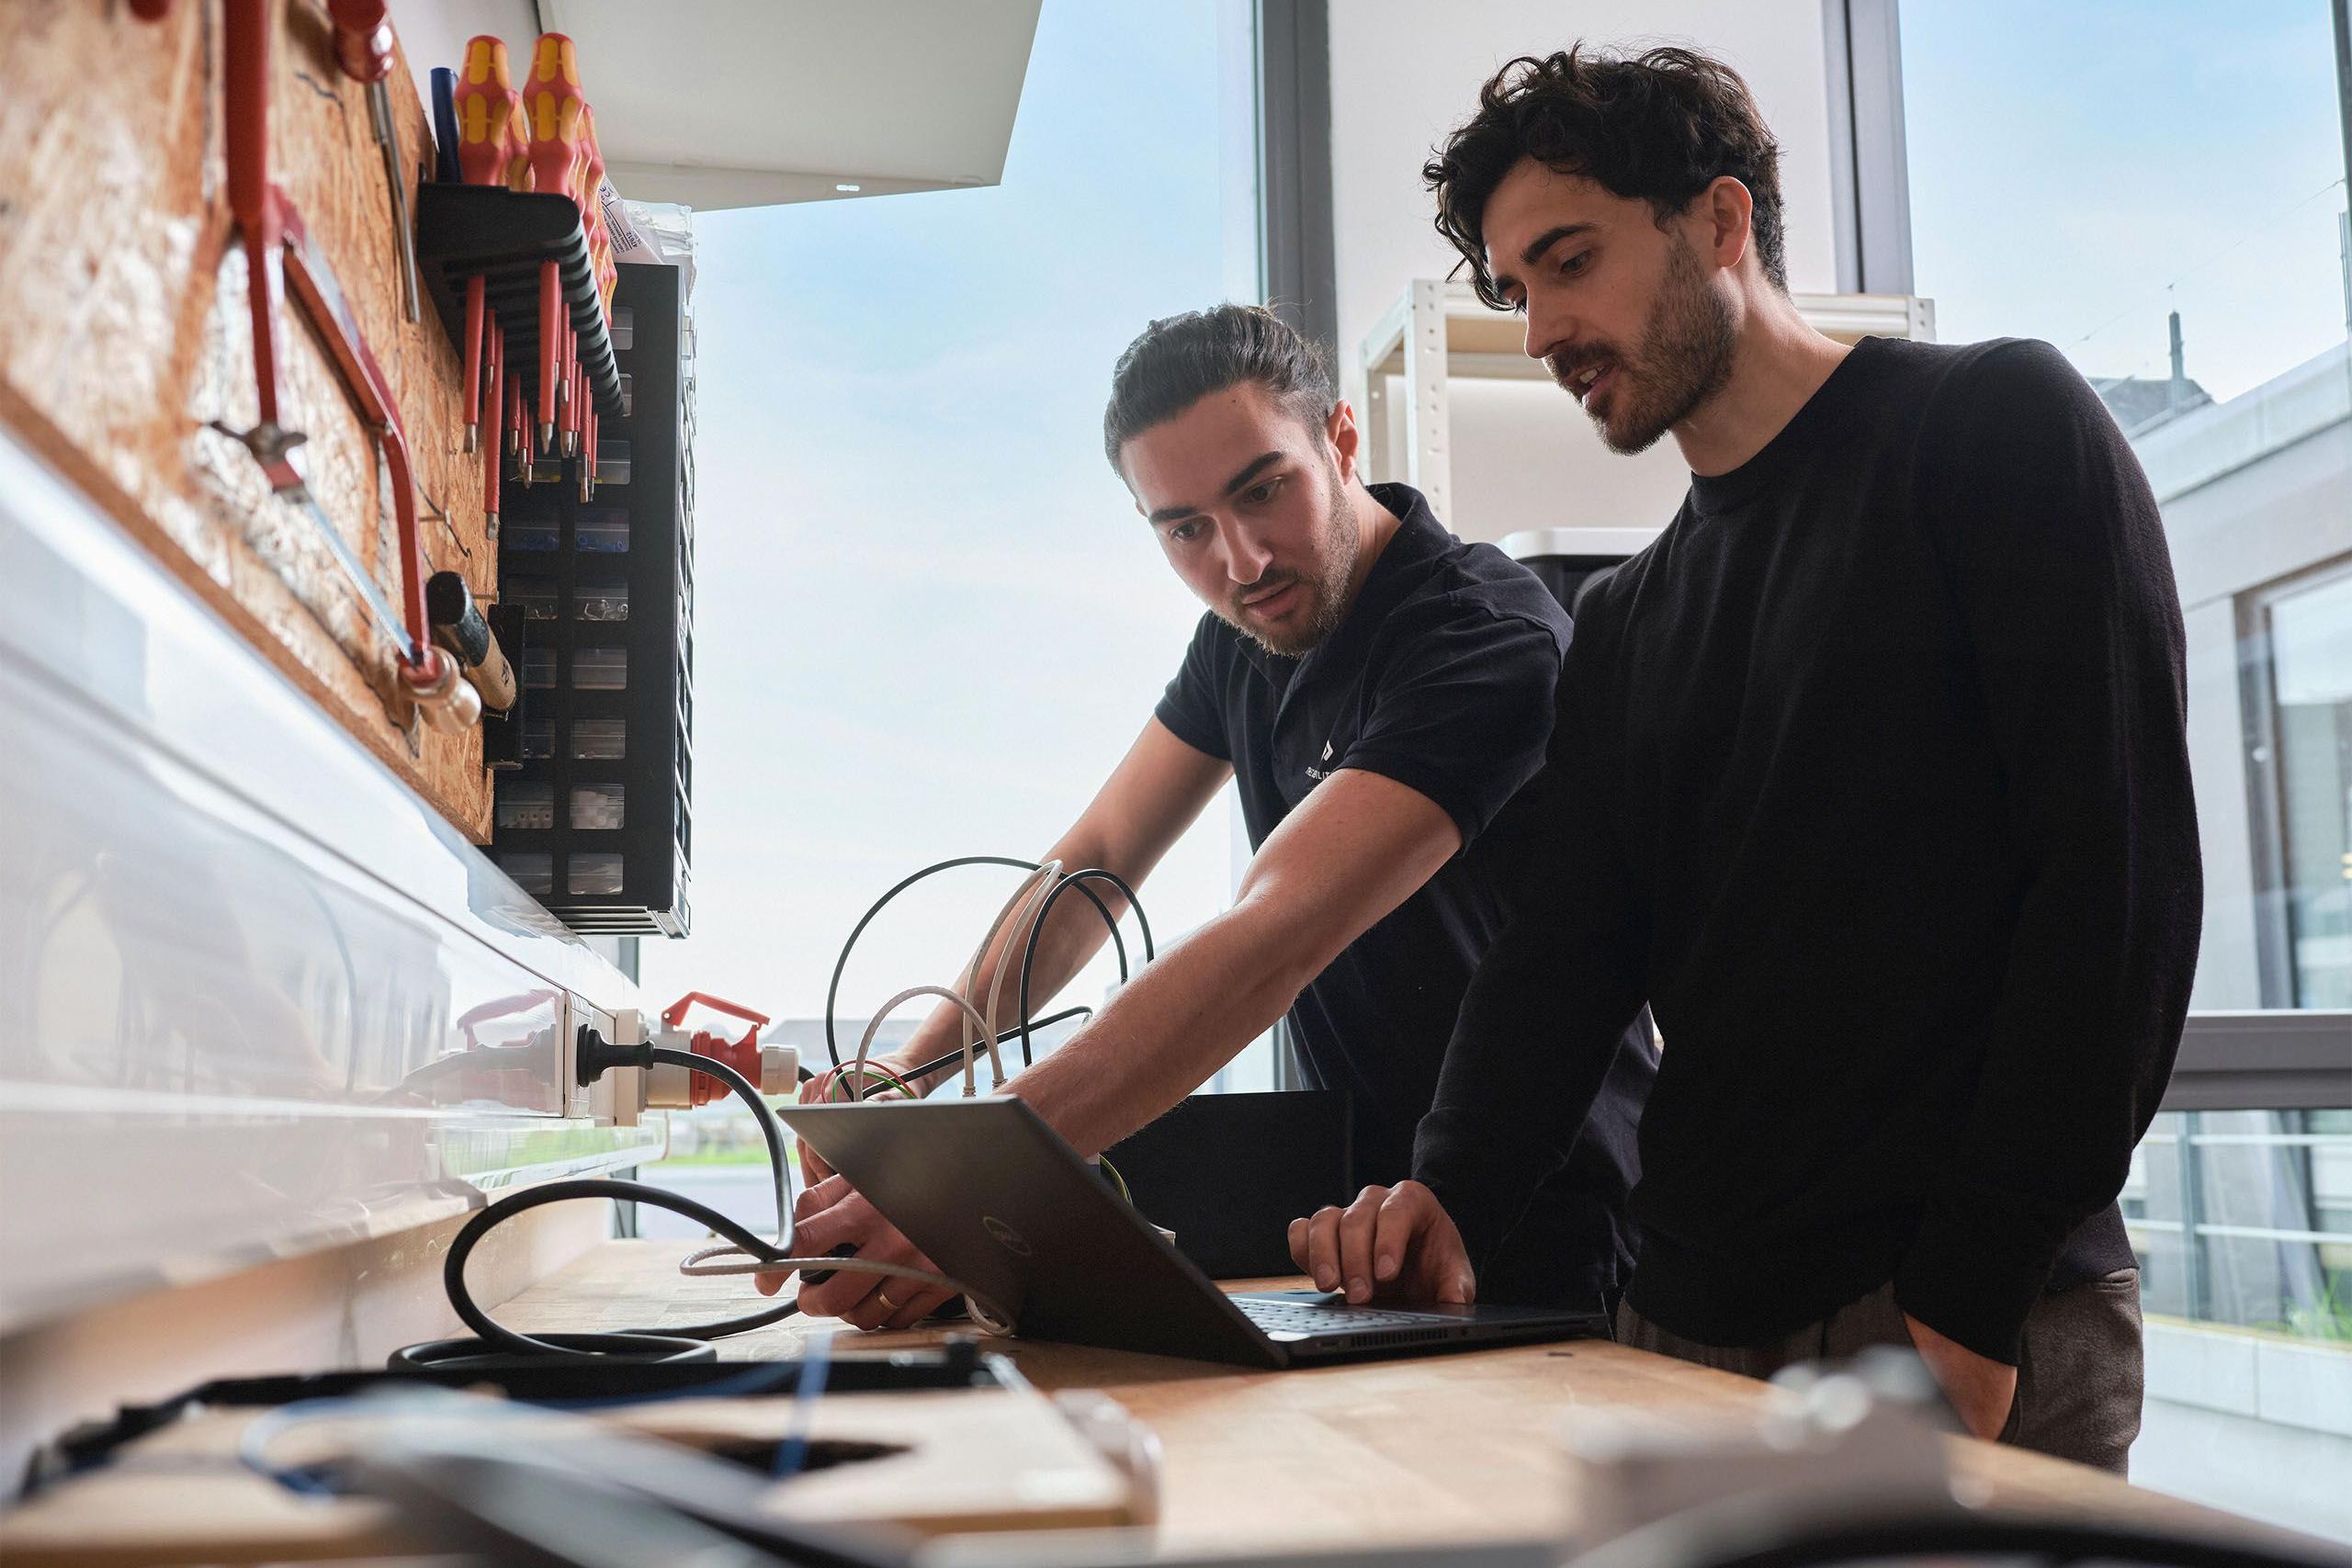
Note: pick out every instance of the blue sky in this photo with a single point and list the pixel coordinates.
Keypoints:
(929, 620)
(2080, 167)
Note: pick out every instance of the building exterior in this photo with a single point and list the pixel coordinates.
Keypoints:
(2243, 1219)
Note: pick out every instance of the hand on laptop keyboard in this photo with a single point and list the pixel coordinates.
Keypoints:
(1396, 1241)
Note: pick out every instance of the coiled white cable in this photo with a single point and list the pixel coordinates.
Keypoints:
(1045, 874)
(910, 993)
(1040, 890)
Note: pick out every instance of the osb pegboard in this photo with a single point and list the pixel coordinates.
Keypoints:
(124, 332)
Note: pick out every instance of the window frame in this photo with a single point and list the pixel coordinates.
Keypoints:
(1869, 162)
(2266, 779)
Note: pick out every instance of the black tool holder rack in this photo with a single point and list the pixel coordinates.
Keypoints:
(596, 820)
(502, 237)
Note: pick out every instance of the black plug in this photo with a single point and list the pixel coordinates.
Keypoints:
(846, 1249)
(594, 1055)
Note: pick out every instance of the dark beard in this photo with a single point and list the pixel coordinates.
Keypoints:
(1685, 357)
(1327, 595)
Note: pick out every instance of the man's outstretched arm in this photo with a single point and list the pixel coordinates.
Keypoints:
(1157, 792)
(1358, 847)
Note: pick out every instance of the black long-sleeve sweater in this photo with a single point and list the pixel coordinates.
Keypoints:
(1869, 776)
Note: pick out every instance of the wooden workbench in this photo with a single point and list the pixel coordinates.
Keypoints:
(1440, 1449)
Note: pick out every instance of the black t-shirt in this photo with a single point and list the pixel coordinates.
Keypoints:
(1440, 676)
(1881, 798)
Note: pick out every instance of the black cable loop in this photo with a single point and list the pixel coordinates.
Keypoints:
(668, 1343)
(952, 1058)
(832, 991)
(1079, 879)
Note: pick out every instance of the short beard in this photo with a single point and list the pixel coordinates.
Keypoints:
(1685, 357)
(1341, 543)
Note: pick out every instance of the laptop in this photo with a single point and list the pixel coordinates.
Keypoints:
(999, 1202)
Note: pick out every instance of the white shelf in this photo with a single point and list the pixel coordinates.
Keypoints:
(1437, 331)
(1611, 544)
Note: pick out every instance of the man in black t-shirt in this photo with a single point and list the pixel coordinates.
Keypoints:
(1878, 793)
(1379, 692)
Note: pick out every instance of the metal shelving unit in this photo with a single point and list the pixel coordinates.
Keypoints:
(1438, 332)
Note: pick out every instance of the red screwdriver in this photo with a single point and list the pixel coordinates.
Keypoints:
(518, 142)
(552, 97)
(483, 98)
(592, 207)
(497, 355)
(514, 438)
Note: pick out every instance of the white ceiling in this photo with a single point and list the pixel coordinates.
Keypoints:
(749, 103)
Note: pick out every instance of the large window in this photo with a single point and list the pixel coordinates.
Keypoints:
(2082, 170)
(2158, 189)
(929, 621)
(2308, 631)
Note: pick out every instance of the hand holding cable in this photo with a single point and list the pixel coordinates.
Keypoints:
(833, 1214)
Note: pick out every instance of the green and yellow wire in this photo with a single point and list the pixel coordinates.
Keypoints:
(1104, 1162)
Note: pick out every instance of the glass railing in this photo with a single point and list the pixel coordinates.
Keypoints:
(2244, 1218)
(2243, 1223)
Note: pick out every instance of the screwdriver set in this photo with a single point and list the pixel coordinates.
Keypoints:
(570, 413)
(596, 820)
(518, 262)
(573, 397)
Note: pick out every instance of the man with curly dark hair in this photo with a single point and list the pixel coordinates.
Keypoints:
(1879, 796)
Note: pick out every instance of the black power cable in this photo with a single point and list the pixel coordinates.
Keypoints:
(494, 1344)
(1079, 879)
(954, 1057)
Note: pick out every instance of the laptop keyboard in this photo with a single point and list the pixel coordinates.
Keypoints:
(1302, 1317)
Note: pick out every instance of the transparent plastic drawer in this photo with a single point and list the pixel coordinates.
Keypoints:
(527, 804)
(597, 808)
(536, 596)
(601, 530)
(594, 876)
(598, 601)
(599, 740)
(531, 533)
(599, 668)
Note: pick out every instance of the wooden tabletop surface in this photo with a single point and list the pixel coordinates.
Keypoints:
(1451, 1448)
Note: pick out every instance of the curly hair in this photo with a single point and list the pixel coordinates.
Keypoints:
(1658, 127)
(1178, 360)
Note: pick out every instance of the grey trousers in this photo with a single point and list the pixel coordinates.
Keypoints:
(2079, 1371)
